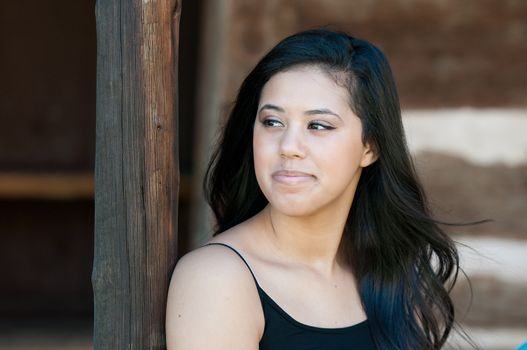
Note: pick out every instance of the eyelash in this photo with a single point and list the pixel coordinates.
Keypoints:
(267, 123)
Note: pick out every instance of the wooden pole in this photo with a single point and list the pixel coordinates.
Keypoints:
(136, 170)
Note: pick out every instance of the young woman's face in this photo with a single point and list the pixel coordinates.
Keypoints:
(308, 150)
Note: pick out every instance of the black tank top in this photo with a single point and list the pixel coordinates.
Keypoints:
(282, 332)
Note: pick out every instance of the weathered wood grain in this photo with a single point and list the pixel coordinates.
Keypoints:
(136, 171)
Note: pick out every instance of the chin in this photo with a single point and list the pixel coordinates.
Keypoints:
(294, 208)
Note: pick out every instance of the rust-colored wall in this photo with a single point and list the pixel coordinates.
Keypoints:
(443, 53)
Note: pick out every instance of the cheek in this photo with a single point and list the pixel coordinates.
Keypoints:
(260, 153)
(340, 160)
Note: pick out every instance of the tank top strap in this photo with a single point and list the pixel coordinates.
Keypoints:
(241, 257)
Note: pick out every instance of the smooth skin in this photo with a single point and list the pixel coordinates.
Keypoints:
(308, 155)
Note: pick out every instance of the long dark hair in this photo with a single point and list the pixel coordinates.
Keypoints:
(404, 264)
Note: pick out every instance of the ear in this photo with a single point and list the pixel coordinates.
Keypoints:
(369, 155)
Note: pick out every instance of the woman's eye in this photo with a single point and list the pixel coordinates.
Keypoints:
(319, 126)
(271, 123)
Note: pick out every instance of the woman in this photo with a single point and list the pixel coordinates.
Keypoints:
(324, 239)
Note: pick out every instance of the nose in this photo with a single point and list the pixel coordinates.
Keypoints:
(292, 143)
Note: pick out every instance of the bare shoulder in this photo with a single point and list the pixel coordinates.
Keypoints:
(213, 302)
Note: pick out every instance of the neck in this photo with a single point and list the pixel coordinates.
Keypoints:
(309, 241)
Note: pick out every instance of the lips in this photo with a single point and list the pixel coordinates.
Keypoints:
(292, 177)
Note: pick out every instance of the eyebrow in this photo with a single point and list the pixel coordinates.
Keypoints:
(271, 107)
(310, 112)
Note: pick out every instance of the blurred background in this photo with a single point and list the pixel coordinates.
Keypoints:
(461, 70)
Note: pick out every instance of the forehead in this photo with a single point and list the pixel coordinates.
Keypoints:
(305, 86)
